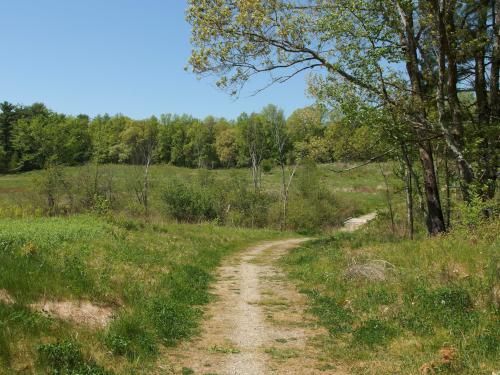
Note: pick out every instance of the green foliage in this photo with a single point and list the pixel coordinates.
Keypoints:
(129, 336)
(189, 202)
(441, 294)
(173, 320)
(474, 213)
(267, 166)
(5, 352)
(66, 358)
(374, 332)
(187, 284)
(334, 316)
(158, 274)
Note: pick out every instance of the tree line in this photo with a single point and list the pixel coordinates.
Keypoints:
(32, 137)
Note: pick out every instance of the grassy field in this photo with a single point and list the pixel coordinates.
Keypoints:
(390, 305)
(154, 278)
(399, 306)
(358, 191)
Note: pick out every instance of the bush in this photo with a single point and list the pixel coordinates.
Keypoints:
(474, 213)
(267, 165)
(312, 206)
(189, 202)
(247, 207)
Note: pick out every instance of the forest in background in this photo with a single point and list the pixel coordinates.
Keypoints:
(33, 136)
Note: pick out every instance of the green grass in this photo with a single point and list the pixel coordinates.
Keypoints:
(358, 191)
(155, 276)
(441, 294)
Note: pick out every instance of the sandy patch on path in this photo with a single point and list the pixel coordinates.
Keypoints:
(258, 324)
(5, 297)
(356, 222)
(80, 312)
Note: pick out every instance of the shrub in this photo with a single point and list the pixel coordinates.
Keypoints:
(248, 207)
(312, 206)
(474, 213)
(267, 165)
(189, 202)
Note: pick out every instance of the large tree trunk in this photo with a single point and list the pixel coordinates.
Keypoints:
(451, 126)
(435, 220)
(491, 165)
(408, 190)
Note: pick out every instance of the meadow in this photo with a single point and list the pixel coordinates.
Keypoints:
(389, 304)
(153, 277)
(321, 198)
(399, 306)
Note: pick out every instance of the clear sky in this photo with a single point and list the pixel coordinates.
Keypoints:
(114, 56)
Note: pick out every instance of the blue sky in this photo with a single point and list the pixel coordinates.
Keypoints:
(114, 56)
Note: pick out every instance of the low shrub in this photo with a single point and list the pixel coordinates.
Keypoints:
(189, 202)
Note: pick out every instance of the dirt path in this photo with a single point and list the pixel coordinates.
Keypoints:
(356, 222)
(258, 323)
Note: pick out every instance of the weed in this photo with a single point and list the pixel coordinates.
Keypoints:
(281, 354)
(187, 284)
(66, 358)
(374, 332)
(5, 353)
(224, 349)
(173, 320)
(335, 317)
(129, 337)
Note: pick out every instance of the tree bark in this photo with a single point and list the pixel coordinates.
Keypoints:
(409, 191)
(435, 220)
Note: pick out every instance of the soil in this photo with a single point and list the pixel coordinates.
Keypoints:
(80, 312)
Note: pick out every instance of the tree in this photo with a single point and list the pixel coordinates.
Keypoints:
(140, 141)
(50, 138)
(275, 121)
(365, 44)
(226, 146)
(253, 143)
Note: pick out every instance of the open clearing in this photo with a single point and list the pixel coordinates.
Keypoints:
(258, 325)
